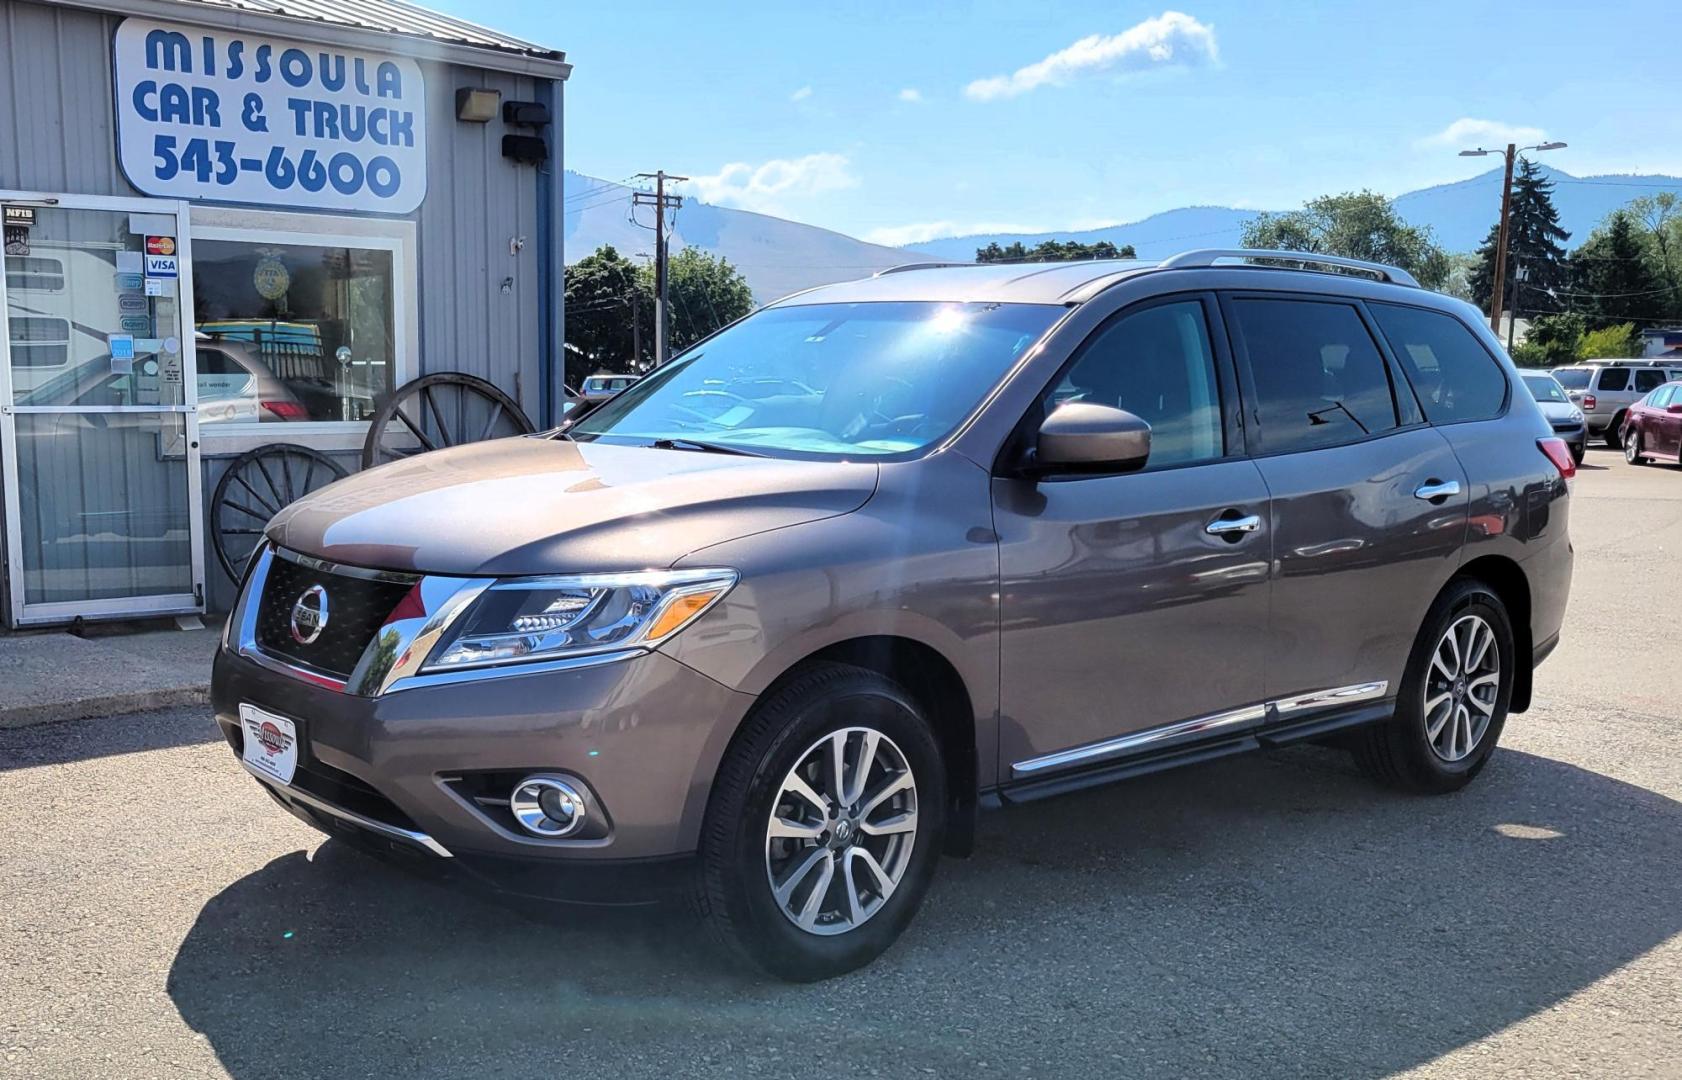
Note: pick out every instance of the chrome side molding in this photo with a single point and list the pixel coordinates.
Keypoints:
(1248, 716)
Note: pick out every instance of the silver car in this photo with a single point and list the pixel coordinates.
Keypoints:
(1561, 413)
(1605, 389)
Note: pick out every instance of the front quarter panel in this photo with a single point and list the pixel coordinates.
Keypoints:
(918, 561)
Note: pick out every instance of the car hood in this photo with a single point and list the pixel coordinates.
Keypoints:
(546, 506)
(1556, 410)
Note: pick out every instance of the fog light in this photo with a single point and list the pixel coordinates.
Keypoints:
(547, 806)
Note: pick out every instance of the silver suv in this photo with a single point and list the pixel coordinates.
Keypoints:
(771, 626)
(1605, 389)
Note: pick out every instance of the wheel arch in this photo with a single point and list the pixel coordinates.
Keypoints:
(1508, 581)
(939, 688)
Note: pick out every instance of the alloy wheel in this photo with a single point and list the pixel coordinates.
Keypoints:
(1632, 448)
(1461, 688)
(841, 830)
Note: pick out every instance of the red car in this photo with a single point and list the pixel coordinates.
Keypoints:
(1653, 427)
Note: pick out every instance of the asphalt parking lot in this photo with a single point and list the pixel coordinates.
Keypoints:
(1268, 916)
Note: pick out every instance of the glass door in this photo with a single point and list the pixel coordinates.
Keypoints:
(98, 400)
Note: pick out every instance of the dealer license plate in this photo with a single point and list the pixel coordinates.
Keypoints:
(271, 743)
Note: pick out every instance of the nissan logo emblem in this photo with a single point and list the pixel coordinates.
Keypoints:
(309, 615)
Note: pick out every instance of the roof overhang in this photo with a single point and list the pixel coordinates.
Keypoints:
(317, 32)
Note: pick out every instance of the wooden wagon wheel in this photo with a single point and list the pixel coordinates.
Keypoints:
(435, 411)
(256, 486)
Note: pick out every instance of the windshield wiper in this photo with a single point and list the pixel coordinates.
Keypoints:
(704, 447)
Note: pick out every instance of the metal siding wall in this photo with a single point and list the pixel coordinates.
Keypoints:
(477, 203)
(57, 128)
(58, 133)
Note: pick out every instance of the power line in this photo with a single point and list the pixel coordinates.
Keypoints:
(661, 203)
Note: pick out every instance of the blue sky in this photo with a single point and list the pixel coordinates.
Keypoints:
(897, 122)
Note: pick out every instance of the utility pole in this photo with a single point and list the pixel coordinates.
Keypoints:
(1497, 291)
(661, 202)
(1520, 276)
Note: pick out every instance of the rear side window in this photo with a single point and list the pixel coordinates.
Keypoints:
(1573, 378)
(1660, 398)
(1157, 364)
(1454, 376)
(1648, 379)
(1319, 379)
(1613, 378)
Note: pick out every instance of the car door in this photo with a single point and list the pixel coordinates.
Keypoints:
(1665, 426)
(1369, 508)
(1134, 606)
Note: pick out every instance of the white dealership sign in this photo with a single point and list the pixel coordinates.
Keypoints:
(232, 117)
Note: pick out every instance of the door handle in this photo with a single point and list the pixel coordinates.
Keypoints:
(1231, 528)
(1436, 490)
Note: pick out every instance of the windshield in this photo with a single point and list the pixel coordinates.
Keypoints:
(828, 379)
(1574, 378)
(1545, 388)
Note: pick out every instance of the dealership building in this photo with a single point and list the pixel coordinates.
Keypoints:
(233, 223)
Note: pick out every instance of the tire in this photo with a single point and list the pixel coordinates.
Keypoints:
(1578, 452)
(1632, 449)
(734, 892)
(1613, 438)
(1402, 752)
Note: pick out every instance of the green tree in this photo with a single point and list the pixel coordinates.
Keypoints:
(1618, 341)
(608, 308)
(1660, 215)
(1053, 251)
(1537, 243)
(706, 293)
(1613, 281)
(1355, 225)
(1553, 341)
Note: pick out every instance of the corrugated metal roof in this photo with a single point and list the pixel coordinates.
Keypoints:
(387, 17)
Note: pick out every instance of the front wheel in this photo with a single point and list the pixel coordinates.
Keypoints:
(824, 826)
(1454, 696)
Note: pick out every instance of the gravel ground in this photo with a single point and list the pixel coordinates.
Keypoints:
(1266, 916)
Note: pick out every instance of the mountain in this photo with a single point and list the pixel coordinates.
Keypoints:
(779, 257)
(776, 256)
(1459, 214)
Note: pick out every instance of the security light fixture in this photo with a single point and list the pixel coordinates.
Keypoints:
(477, 106)
(532, 114)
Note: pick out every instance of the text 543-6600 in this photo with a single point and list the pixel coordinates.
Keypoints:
(219, 160)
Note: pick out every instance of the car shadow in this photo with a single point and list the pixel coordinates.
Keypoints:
(1274, 915)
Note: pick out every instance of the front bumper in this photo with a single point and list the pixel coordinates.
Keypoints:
(643, 736)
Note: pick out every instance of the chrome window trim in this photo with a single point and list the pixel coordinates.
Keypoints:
(1249, 715)
(315, 802)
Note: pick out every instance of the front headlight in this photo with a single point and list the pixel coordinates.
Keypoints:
(1576, 416)
(549, 618)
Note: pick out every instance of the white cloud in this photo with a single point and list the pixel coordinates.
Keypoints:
(900, 235)
(801, 94)
(769, 186)
(1469, 134)
(1172, 39)
(911, 95)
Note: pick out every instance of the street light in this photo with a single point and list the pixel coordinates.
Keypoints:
(1498, 282)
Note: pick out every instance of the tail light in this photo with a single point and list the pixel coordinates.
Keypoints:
(286, 410)
(1588, 403)
(1560, 454)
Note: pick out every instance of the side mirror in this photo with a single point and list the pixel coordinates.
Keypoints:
(1081, 437)
(1674, 409)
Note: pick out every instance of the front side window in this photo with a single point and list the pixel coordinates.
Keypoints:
(311, 328)
(1648, 379)
(1454, 376)
(1156, 364)
(827, 380)
(1612, 379)
(1319, 378)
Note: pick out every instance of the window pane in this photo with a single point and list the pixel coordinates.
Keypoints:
(1648, 380)
(300, 332)
(1572, 378)
(1455, 377)
(1156, 364)
(1614, 378)
(1319, 378)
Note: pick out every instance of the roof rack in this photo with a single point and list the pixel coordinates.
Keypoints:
(1210, 256)
(902, 267)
